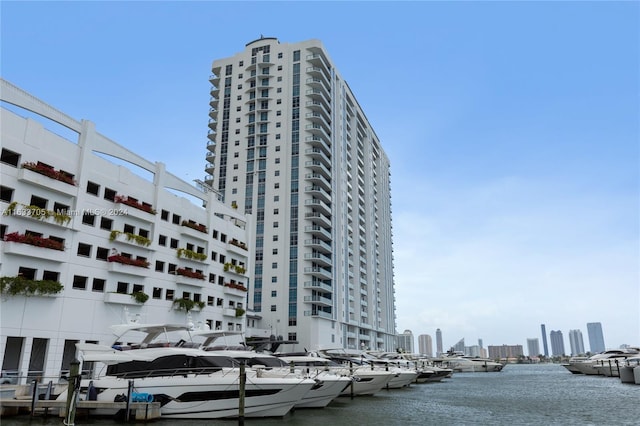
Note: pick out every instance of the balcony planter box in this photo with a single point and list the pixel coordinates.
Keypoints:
(28, 250)
(26, 175)
(120, 298)
(131, 239)
(122, 268)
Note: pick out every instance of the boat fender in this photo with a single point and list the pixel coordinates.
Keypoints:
(141, 397)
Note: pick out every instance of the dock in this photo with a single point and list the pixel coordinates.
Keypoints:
(139, 410)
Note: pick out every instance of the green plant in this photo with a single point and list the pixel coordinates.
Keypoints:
(190, 254)
(187, 304)
(14, 286)
(36, 212)
(140, 296)
(239, 312)
(138, 239)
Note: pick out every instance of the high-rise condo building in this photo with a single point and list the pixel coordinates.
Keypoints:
(576, 342)
(438, 342)
(405, 342)
(557, 343)
(596, 338)
(290, 146)
(533, 347)
(425, 345)
(543, 330)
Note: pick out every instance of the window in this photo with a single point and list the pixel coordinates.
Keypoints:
(168, 295)
(79, 282)
(84, 250)
(162, 240)
(88, 219)
(129, 229)
(102, 253)
(98, 285)
(223, 258)
(159, 266)
(174, 243)
(275, 238)
(38, 202)
(172, 268)
(274, 265)
(60, 208)
(164, 215)
(273, 308)
(109, 194)
(10, 157)
(137, 288)
(122, 287)
(93, 188)
(176, 219)
(28, 273)
(157, 293)
(6, 194)
(275, 224)
(106, 223)
(223, 238)
(50, 275)
(274, 251)
(296, 55)
(274, 279)
(276, 185)
(143, 233)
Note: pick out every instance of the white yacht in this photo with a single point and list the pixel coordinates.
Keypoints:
(626, 370)
(460, 363)
(328, 385)
(188, 382)
(604, 362)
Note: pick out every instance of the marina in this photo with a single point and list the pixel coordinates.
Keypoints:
(521, 394)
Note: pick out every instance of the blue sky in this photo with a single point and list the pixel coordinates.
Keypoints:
(512, 128)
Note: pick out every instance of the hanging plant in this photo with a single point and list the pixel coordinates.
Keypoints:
(190, 254)
(138, 239)
(140, 296)
(14, 286)
(187, 304)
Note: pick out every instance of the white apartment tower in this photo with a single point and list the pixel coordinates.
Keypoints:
(425, 345)
(290, 145)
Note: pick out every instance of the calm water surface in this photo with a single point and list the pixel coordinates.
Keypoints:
(519, 395)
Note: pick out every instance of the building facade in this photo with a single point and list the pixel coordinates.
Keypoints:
(596, 337)
(405, 342)
(576, 342)
(533, 347)
(439, 348)
(557, 343)
(87, 243)
(505, 351)
(290, 145)
(425, 345)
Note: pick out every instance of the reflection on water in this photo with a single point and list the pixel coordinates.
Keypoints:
(520, 395)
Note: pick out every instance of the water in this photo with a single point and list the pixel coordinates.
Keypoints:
(540, 395)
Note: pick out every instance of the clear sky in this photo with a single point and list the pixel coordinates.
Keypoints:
(512, 129)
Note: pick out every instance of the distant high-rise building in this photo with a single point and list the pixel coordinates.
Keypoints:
(505, 351)
(480, 343)
(533, 347)
(596, 338)
(425, 345)
(290, 145)
(557, 343)
(544, 340)
(575, 342)
(405, 341)
(438, 342)
(459, 347)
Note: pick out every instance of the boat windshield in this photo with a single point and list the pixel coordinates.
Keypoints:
(170, 365)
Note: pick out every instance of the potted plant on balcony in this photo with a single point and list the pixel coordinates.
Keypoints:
(187, 304)
(13, 286)
(49, 171)
(34, 240)
(140, 296)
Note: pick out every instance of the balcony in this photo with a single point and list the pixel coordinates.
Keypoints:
(35, 213)
(318, 285)
(235, 290)
(318, 192)
(318, 231)
(120, 299)
(317, 243)
(318, 167)
(321, 314)
(318, 179)
(27, 250)
(319, 205)
(318, 219)
(317, 299)
(49, 183)
(195, 230)
(130, 239)
(319, 258)
(316, 271)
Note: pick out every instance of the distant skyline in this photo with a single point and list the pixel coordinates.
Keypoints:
(512, 129)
